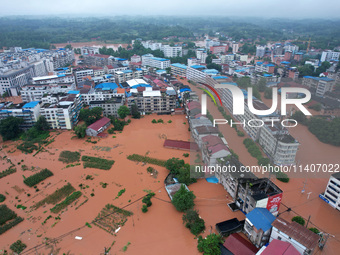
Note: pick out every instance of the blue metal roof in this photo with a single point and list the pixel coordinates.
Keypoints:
(127, 71)
(285, 62)
(140, 85)
(76, 92)
(210, 71)
(220, 77)
(110, 85)
(161, 71)
(197, 66)
(31, 104)
(179, 65)
(267, 75)
(261, 218)
(318, 78)
(139, 69)
(160, 59)
(184, 89)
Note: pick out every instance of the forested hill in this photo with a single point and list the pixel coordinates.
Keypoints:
(41, 32)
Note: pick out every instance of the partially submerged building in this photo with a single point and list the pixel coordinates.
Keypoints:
(96, 128)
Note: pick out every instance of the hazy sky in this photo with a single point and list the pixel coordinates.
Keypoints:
(254, 8)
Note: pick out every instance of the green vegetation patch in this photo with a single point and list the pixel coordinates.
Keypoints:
(69, 156)
(99, 163)
(18, 247)
(145, 159)
(56, 196)
(111, 218)
(38, 177)
(2, 198)
(69, 200)
(8, 171)
(8, 219)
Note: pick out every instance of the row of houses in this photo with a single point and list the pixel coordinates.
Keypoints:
(258, 198)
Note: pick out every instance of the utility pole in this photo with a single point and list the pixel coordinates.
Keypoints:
(308, 221)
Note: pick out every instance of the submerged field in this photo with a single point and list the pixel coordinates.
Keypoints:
(77, 195)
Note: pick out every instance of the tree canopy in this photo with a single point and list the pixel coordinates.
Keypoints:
(183, 199)
(90, 116)
(123, 111)
(10, 128)
(210, 245)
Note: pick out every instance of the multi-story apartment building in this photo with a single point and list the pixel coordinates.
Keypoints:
(98, 60)
(54, 79)
(172, 51)
(29, 112)
(194, 73)
(319, 84)
(136, 59)
(125, 75)
(89, 50)
(329, 55)
(152, 45)
(153, 101)
(110, 107)
(150, 60)
(262, 67)
(248, 191)
(79, 74)
(219, 49)
(201, 54)
(11, 80)
(179, 69)
(291, 47)
(332, 192)
(260, 51)
(276, 142)
(62, 112)
(35, 92)
(235, 47)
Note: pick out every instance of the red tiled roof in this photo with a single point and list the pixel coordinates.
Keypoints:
(184, 145)
(277, 247)
(239, 246)
(99, 123)
(297, 232)
(212, 140)
(193, 105)
(217, 148)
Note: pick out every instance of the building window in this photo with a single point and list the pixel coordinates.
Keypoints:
(279, 238)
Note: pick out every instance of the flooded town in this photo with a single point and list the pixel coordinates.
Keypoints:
(162, 136)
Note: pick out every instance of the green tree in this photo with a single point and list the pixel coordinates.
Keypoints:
(299, 117)
(214, 66)
(193, 222)
(183, 199)
(306, 70)
(174, 164)
(261, 84)
(68, 46)
(90, 116)
(42, 124)
(10, 128)
(134, 112)
(268, 93)
(123, 111)
(183, 175)
(210, 245)
(299, 220)
(168, 70)
(80, 131)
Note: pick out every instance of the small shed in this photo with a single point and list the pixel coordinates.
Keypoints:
(97, 127)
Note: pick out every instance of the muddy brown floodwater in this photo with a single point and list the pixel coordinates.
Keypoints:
(159, 231)
(305, 204)
(114, 46)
